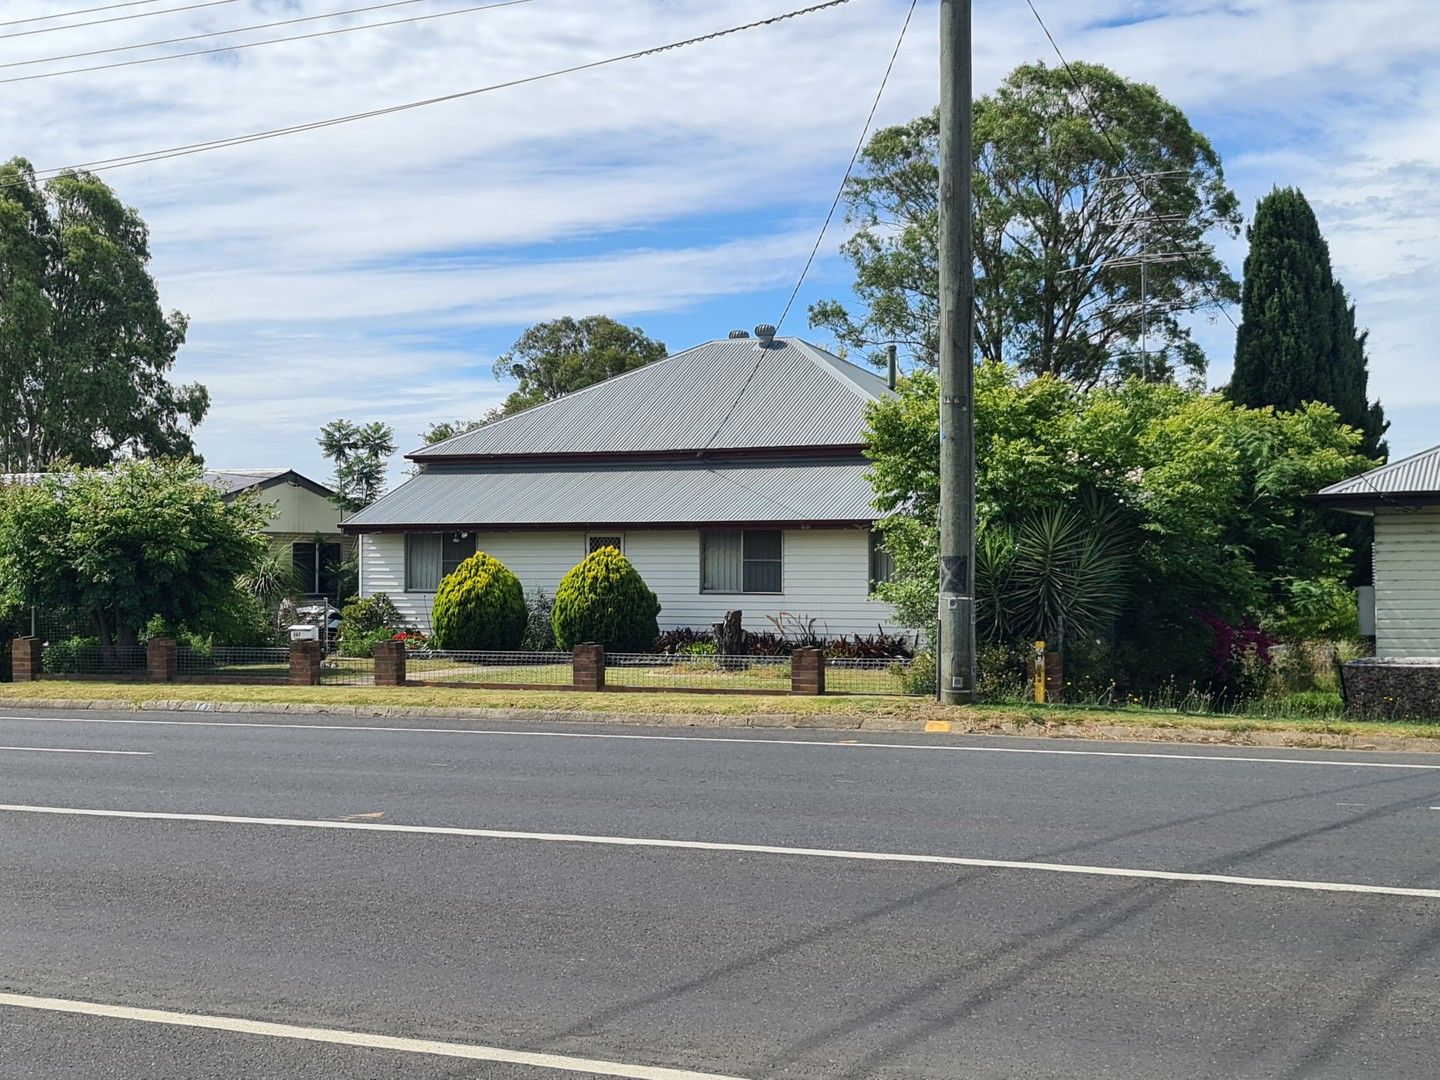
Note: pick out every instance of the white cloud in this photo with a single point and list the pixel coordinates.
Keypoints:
(373, 269)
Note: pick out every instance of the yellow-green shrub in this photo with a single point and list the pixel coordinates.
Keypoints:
(479, 606)
(605, 600)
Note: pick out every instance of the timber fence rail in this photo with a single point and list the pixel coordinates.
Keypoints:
(804, 671)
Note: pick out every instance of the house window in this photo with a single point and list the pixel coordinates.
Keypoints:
(882, 563)
(595, 541)
(431, 557)
(741, 561)
(317, 565)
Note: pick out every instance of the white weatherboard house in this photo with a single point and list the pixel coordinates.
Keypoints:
(731, 475)
(1404, 499)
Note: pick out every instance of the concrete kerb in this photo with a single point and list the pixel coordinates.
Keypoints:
(771, 721)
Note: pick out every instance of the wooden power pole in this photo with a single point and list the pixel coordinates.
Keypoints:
(956, 660)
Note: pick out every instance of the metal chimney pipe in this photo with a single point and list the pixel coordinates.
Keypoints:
(893, 369)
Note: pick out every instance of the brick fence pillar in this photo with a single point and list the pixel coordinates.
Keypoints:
(807, 671)
(160, 659)
(305, 657)
(588, 664)
(27, 661)
(390, 663)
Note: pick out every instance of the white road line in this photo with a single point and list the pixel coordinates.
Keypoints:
(749, 849)
(468, 1051)
(846, 744)
(66, 750)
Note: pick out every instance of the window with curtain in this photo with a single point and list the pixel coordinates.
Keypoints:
(429, 557)
(882, 563)
(741, 561)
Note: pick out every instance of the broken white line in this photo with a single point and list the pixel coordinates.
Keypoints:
(754, 849)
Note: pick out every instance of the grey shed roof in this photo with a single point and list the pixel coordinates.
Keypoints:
(231, 481)
(672, 493)
(722, 395)
(1411, 480)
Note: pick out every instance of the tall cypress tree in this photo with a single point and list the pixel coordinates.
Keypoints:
(1298, 340)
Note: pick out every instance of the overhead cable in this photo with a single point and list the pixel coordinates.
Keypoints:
(101, 22)
(126, 160)
(251, 44)
(850, 168)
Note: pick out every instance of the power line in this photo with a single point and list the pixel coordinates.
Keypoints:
(250, 44)
(211, 34)
(81, 11)
(850, 168)
(274, 133)
(1105, 134)
(101, 22)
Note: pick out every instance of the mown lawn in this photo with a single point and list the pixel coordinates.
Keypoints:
(845, 710)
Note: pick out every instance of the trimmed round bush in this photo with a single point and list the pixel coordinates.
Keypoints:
(479, 606)
(605, 600)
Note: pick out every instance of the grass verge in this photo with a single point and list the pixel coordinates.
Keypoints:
(846, 711)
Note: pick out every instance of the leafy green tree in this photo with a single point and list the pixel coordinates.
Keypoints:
(448, 429)
(1211, 499)
(603, 599)
(1298, 340)
(85, 349)
(125, 545)
(361, 455)
(552, 359)
(1058, 230)
(481, 605)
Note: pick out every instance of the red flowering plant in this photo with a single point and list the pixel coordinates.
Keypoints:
(1240, 656)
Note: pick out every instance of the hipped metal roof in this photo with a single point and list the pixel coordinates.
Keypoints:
(672, 493)
(1414, 480)
(727, 394)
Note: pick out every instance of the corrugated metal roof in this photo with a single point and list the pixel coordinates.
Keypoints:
(228, 481)
(1418, 474)
(232, 480)
(669, 493)
(724, 395)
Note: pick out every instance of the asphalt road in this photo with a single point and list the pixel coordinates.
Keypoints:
(844, 920)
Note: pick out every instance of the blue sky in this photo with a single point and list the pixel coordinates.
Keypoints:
(374, 270)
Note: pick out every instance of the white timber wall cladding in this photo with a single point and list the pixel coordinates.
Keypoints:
(1407, 583)
(826, 576)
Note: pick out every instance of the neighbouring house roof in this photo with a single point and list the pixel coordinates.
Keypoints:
(728, 394)
(1411, 481)
(229, 481)
(649, 493)
(233, 481)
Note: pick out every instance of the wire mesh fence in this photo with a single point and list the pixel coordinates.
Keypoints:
(86, 660)
(538, 669)
(336, 670)
(233, 664)
(870, 676)
(645, 671)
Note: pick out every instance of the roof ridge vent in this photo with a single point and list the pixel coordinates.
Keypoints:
(735, 335)
(766, 333)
